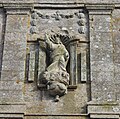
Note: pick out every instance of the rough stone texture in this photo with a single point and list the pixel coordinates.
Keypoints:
(45, 105)
(105, 56)
(11, 108)
(102, 65)
(13, 65)
(98, 71)
(55, 117)
(57, 1)
(80, 1)
(116, 43)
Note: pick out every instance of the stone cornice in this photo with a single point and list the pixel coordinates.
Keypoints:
(65, 4)
(101, 9)
(100, 6)
(15, 8)
(16, 5)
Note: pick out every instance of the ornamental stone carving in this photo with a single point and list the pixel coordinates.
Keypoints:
(57, 34)
(56, 77)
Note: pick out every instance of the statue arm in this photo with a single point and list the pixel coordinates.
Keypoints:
(48, 42)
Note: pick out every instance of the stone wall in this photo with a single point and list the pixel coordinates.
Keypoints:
(94, 64)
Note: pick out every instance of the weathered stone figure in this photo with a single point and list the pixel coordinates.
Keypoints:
(56, 77)
(58, 53)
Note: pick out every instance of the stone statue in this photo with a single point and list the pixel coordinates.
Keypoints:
(56, 77)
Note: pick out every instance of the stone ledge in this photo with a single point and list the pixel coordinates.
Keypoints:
(20, 116)
(71, 5)
(103, 109)
(12, 103)
(100, 9)
(12, 108)
(104, 116)
(100, 6)
(38, 114)
(102, 103)
(64, 4)
(59, 1)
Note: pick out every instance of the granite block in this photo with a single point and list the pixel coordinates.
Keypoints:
(102, 66)
(13, 65)
(11, 85)
(11, 75)
(5, 96)
(17, 23)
